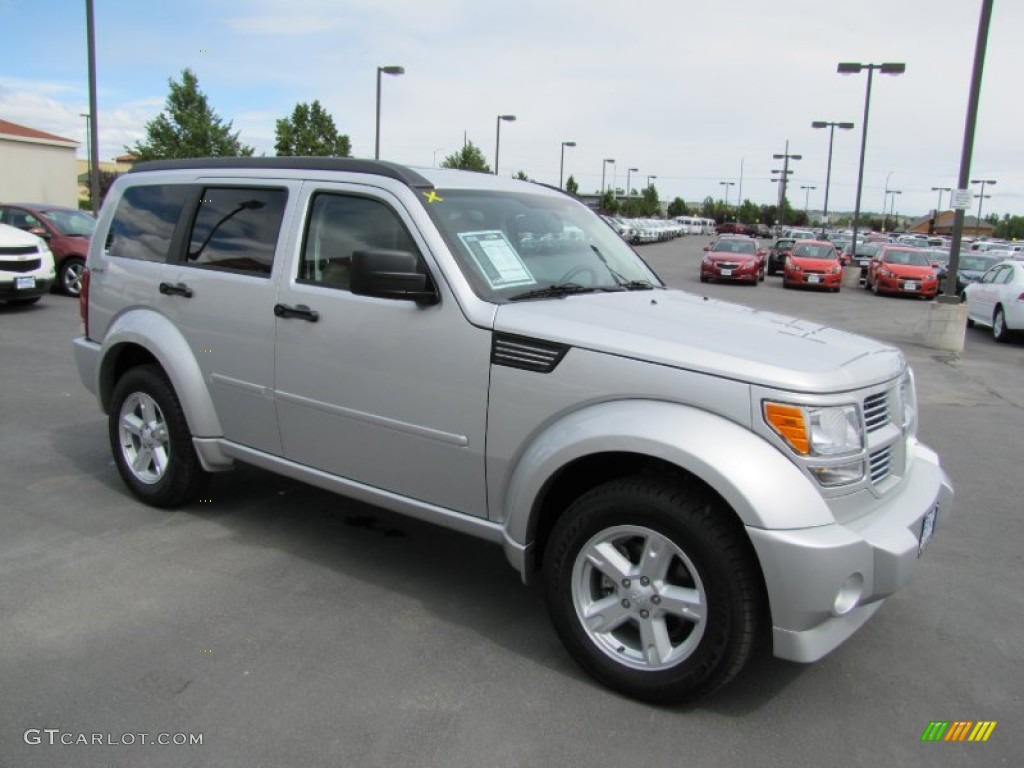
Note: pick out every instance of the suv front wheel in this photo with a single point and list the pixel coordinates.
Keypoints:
(150, 439)
(651, 586)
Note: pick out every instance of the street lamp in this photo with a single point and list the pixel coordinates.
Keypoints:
(497, 138)
(628, 172)
(561, 165)
(604, 166)
(981, 197)
(852, 68)
(828, 173)
(727, 184)
(891, 197)
(807, 197)
(785, 157)
(382, 71)
(649, 179)
(940, 190)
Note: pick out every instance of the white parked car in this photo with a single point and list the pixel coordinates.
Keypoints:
(26, 266)
(997, 300)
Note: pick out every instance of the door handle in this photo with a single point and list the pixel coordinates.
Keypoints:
(179, 289)
(300, 311)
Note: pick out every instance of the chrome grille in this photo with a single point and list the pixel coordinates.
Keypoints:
(876, 411)
(18, 250)
(881, 464)
(29, 265)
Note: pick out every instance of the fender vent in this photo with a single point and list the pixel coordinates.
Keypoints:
(526, 353)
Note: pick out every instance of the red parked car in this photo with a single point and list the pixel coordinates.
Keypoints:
(813, 263)
(66, 231)
(896, 269)
(735, 258)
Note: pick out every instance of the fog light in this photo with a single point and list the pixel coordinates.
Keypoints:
(848, 595)
(843, 474)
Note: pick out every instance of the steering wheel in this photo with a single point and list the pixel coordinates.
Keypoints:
(579, 270)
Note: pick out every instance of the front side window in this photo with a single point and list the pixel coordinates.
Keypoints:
(236, 229)
(145, 220)
(511, 243)
(340, 225)
(20, 219)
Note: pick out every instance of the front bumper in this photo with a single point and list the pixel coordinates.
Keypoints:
(9, 288)
(806, 570)
(900, 285)
(814, 279)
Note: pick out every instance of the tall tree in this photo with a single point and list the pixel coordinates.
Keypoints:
(188, 127)
(469, 158)
(678, 208)
(311, 132)
(571, 186)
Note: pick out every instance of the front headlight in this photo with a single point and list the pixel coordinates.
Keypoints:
(817, 431)
(908, 403)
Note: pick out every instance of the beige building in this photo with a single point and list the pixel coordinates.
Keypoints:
(120, 164)
(38, 167)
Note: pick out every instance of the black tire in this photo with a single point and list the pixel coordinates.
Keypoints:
(1000, 332)
(69, 278)
(703, 279)
(24, 302)
(717, 563)
(166, 471)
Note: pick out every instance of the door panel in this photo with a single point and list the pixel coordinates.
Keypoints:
(381, 391)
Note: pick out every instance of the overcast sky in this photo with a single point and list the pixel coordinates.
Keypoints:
(695, 93)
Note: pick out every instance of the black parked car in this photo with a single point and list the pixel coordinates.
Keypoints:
(777, 254)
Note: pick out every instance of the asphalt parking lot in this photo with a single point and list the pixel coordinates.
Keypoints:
(288, 627)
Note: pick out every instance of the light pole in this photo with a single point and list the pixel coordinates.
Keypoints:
(628, 172)
(891, 198)
(981, 197)
(382, 71)
(828, 172)
(604, 166)
(561, 165)
(885, 197)
(807, 198)
(497, 138)
(94, 141)
(435, 155)
(785, 157)
(852, 68)
(940, 190)
(649, 179)
(88, 158)
(727, 184)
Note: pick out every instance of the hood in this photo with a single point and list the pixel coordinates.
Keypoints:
(908, 270)
(807, 262)
(683, 330)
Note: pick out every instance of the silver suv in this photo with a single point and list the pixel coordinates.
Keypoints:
(689, 477)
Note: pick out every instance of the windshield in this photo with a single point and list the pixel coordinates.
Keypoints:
(811, 251)
(71, 222)
(735, 246)
(977, 263)
(906, 257)
(509, 243)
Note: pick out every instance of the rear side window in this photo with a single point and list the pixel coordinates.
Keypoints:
(237, 229)
(145, 220)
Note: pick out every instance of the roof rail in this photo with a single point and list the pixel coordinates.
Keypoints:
(376, 167)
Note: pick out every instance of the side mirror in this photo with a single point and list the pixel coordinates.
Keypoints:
(707, 247)
(390, 275)
(38, 231)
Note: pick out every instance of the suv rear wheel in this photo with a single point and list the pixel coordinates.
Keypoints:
(651, 586)
(150, 439)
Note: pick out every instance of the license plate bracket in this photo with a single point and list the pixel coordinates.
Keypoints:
(24, 283)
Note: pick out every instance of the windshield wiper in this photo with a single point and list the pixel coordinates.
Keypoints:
(621, 283)
(556, 291)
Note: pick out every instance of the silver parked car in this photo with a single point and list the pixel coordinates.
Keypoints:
(488, 355)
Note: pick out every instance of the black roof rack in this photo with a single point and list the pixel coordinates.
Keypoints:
(376, 167)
